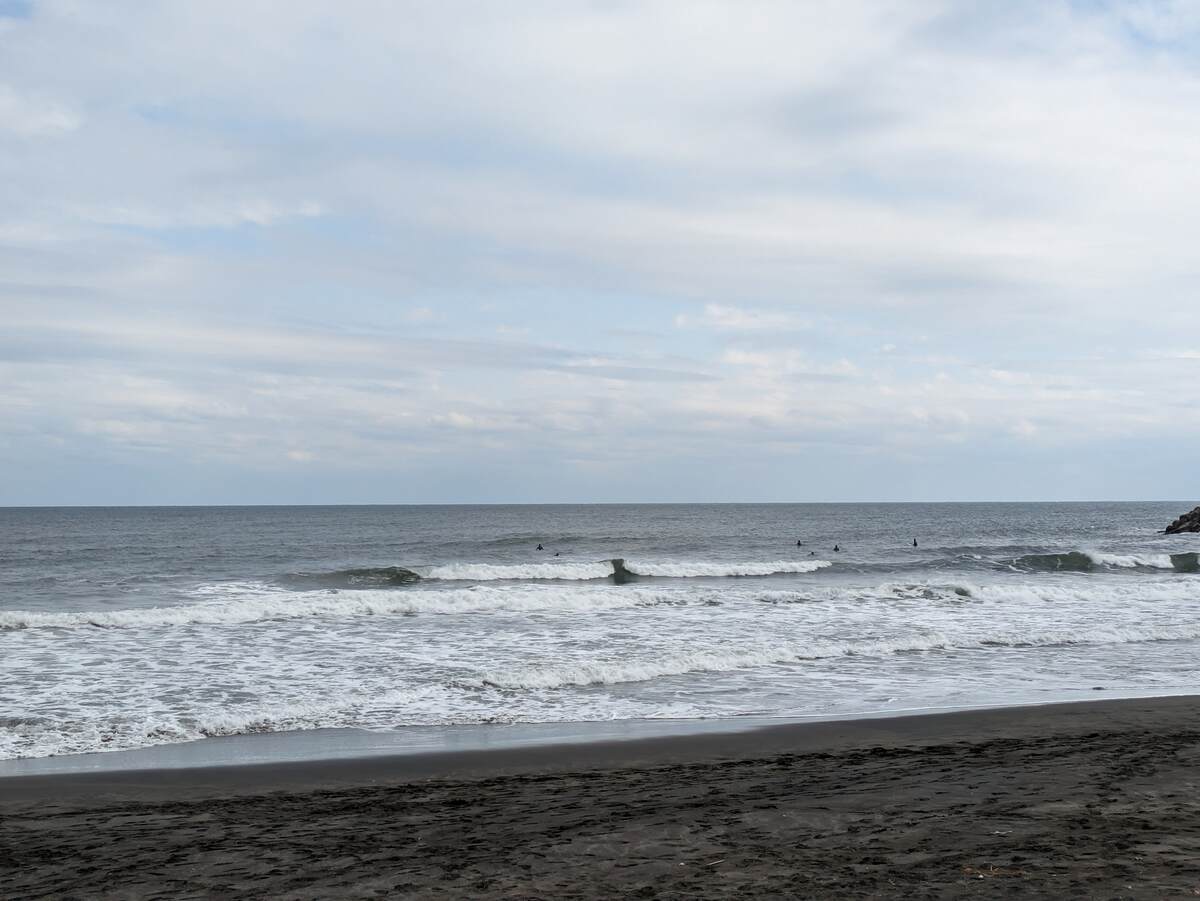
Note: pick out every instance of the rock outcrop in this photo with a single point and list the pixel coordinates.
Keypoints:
(1189, 522)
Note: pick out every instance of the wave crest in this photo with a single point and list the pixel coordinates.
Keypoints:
(699, 568)
(559, 571)
(368, 577)
(1087, 561)
(493, 572)
(255, 603)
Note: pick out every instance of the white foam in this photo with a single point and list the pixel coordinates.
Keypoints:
(228, 604)
(349, 658)
(700, 568)
(490, 572)
(1092, 595)
(608, 672)
(429, 705)
(251, 603)
(577, 571)
(1152, 561)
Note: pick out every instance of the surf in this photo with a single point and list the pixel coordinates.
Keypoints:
(616, 569)
(1089, 561)
(613, 672)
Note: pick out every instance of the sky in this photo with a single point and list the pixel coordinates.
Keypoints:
(455, 252)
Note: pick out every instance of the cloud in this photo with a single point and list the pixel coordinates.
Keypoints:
(648, 237)
(27, 117)
(262, 213)
(730, 318)
(420, 314)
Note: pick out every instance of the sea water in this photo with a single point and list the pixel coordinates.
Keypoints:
(124, 628)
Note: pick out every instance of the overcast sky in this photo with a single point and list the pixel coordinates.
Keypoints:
(309, 252)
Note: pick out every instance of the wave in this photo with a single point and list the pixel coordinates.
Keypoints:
(239, 603)
(49, 738)
(609, 672)
(623, 570)
(1087, 561)
(601, 672)
(1186, 563)
(369, 577)
(620, 569)
(444, 704)
(492, 572)
(261, 603)
(571, 571)
(695, 569)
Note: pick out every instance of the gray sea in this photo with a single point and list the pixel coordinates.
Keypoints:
(125, 628)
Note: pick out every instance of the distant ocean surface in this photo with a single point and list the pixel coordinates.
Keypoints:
(124, 628)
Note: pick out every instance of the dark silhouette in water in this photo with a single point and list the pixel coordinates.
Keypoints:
(540, 548)
(556, 553)
(836, 548)
(620, 574)
(914, 542)
(799, 544)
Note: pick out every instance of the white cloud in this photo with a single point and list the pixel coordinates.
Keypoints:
(731, 318)
(824, 187)
(203, 215)
(27, 117)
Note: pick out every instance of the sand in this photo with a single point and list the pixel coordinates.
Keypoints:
(1095, 800)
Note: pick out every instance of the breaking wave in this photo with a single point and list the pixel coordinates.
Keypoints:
(240, 603)
(695, 569)
(492, 572)
(260, 603)
(371, 577)
(568, 571)
(1087, 561)
(681, 569)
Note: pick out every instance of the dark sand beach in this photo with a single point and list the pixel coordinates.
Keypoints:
(1095, 800)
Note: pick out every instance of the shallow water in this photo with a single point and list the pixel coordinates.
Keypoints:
(126, 628)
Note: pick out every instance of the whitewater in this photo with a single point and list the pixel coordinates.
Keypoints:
(124, 629)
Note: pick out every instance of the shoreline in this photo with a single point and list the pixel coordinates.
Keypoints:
(689, 745)
(1087, 799)
(302, 746)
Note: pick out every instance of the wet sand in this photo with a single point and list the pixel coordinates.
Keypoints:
(1095, 800)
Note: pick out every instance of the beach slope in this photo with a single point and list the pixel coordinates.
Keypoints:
(1079, 800)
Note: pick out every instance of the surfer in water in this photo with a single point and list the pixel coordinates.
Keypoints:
(799, 543)
(540, 548)
(836, 549)
(914, 542)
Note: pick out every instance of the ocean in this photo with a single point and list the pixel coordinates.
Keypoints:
(125, 628)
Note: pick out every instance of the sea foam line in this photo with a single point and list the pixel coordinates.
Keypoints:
(261, 603)
(701, 568)
(1126, 561)
(443, 704)
(237, 603)
(603, 569)
(490, 572)
(608, 672)
(1085, 561)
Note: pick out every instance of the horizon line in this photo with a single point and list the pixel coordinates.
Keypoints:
(218, 506)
